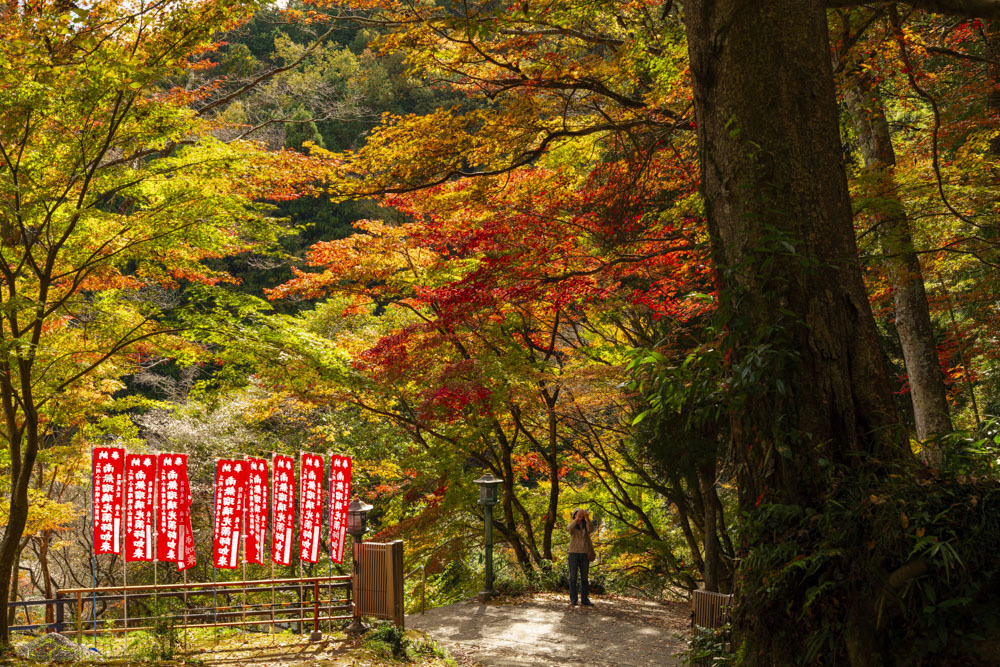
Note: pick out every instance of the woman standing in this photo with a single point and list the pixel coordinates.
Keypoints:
(581, 550)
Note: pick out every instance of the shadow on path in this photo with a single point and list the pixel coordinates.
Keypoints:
(545, 630)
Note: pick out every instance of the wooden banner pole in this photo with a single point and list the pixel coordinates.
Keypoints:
(272, 498)
(329, 542)
(125, 519)
(186, 608)
(244, 525)
(93, 604)
(155, 517)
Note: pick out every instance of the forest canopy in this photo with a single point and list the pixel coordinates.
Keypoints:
(723, 273)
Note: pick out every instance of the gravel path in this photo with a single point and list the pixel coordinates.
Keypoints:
(545, 630)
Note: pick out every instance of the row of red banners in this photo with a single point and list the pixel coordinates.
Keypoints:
(241, 507)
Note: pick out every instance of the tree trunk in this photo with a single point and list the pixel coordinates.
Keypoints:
(14, 581)
(22, 464)
(913, 321)
(782, 229)
(553, 460)
(809, 380)
(43, 562)
(713, 550)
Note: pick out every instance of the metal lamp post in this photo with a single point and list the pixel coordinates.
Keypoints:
(488, 491)
(357, 523)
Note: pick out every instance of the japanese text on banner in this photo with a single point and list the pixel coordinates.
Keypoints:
(168, 503)
(340, 494)
(283, 502)
(311, 504)
(185, 539)
(140, 533)
(107, 466)
(256, 543)
(230, 481)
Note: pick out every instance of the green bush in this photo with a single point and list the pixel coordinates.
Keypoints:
(387, 641)
(161, 641)
(908, 553)
(710, 647)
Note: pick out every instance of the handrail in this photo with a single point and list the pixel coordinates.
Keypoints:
(56, 602)
(423, 583)
(208, 585)
(275, 613)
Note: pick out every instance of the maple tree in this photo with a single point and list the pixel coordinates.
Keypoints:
(808, 387)
(495, 334)
(113, 192)
(532, 290)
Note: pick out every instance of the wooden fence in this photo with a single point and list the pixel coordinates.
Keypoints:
(197, 605)
(375, 589)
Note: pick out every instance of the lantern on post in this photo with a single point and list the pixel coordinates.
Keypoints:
(357, 523)
(488, 497)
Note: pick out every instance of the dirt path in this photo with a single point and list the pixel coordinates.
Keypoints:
(545, 630)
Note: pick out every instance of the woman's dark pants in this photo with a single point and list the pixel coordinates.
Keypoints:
(582, 563)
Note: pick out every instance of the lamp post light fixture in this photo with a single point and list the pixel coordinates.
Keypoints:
(488, 497)
(357, 523)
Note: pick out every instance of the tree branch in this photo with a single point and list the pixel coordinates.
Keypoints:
(985, 9)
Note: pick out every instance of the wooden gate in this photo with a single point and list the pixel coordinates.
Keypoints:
(378, 588)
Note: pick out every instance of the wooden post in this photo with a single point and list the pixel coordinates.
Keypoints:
(316, 634)
(215, 606)
(423, 587)
(185, 611)
(271, 510)
(244, 611)
(125, 552)
(272, 599)
(79, 618)
(93, 570)
(125, 596)
(302, 597)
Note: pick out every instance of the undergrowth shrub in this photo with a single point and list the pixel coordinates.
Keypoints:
(899, 564)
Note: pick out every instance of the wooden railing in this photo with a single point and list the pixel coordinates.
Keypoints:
(375, 589)
(195, 612)
(422, 569)
(58, 625)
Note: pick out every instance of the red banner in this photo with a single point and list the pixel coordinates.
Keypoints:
(185, 539)
(310, 506)
(140, 477)
(168, 503)
(107, 466)
(283, 502)
(257, 511)
(340, 494)
(230, 483)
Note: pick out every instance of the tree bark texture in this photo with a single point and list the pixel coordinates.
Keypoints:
(913, 321)
(809, 381)
(781, 225)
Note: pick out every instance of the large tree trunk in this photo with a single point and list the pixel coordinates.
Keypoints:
(781, 224)
(913, 321)
(810, 383)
